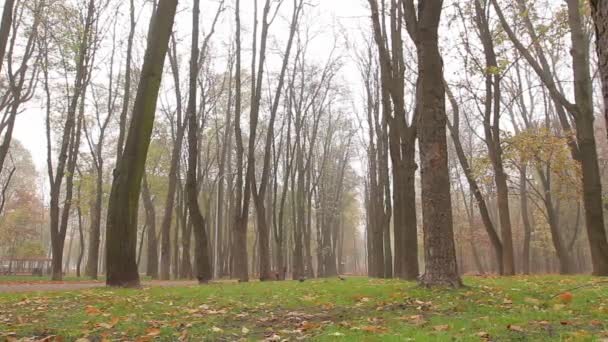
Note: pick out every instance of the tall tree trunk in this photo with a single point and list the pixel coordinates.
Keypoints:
(491, 122)
(525, 217)
(240, 265)
(91, 269)
(124, 197)
(585, 134)
(176, 154)
(201, 249)
(441, 267)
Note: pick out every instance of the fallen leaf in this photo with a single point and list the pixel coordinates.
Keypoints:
(217, 330)
(273, 338)
(441, 328)
(91, 310)
(153, 332)
(336, 334)
(244, 331)
(483, 335)
(417, 320)
(516, 328)
(309, 326)
(532, 301)
(566, 297)
(374, 329)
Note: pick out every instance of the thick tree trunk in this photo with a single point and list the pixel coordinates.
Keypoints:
(404, 215)
(440, 254)
(91, 269)
(599, 11)
(592, 185)
(124, 197)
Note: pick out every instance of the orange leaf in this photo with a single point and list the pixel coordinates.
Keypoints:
(566, 297)
(153, 332)
(91, 310)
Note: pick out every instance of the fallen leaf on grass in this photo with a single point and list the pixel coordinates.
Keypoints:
(153, 332)
(337, 334)
(566, 297)
(273, 338)
(91, 310)
(441, 328)
(244, 331)
(417, 320)
(483, 335)
(309, 326)
(532, 301)
(217, 330)
(516, 328)
(374, 329)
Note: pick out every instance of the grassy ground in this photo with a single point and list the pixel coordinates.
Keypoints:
(358, 309)
(35, 279)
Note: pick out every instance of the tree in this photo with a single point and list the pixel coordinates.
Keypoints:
(402, 138)
(126, 186)
(440, 255)
(71, 133)
(580, 120)
(204, 272)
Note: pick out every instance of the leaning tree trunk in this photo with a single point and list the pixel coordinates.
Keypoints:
(121, 239)
(5, 27)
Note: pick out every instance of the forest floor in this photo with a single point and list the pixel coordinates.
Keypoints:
(357, 309)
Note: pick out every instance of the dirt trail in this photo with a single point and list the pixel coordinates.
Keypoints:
(71, 286)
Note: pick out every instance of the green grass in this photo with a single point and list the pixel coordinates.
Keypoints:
(358, 309)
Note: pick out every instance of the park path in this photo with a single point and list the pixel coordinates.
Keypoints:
(71, 286)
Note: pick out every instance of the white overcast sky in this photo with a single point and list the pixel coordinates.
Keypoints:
(349, 15)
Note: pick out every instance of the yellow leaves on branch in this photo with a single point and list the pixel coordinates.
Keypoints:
(541, 148)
